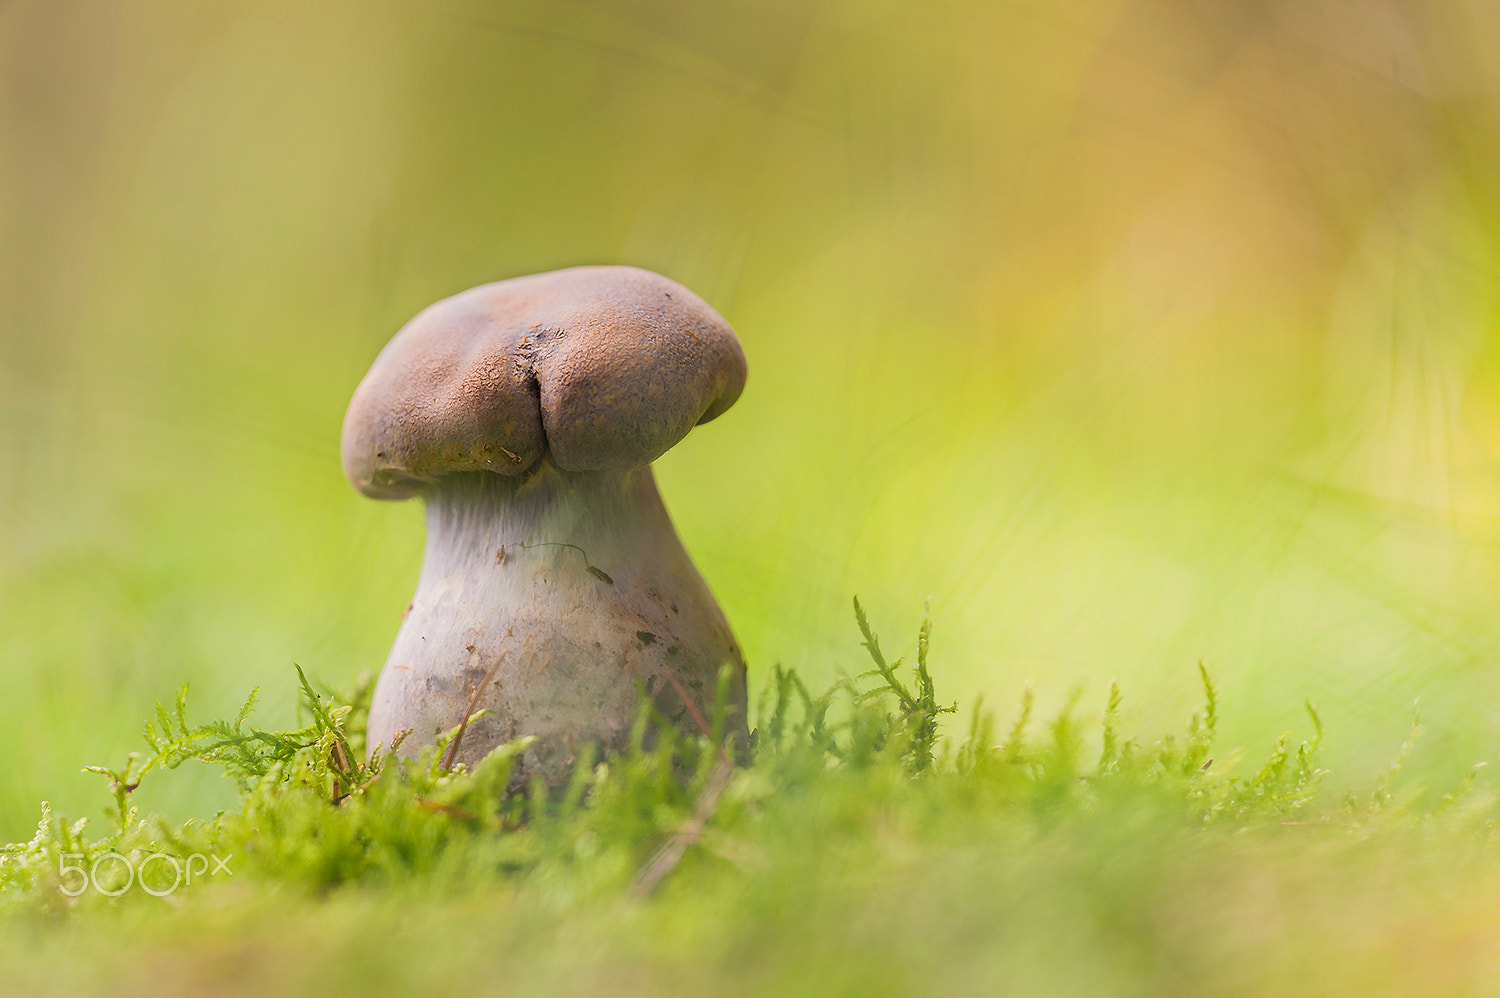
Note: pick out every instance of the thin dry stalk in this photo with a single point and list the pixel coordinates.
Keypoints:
(670, 854)
(463, 724)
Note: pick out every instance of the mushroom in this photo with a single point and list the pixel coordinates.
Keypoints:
(526, 414)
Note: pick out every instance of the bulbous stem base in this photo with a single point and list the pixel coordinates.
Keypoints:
(571, 592)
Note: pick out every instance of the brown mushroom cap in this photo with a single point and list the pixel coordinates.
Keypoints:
(600, 367)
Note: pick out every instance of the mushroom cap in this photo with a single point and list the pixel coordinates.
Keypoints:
(598, 367)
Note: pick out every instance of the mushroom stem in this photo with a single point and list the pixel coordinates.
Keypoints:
(579, 581)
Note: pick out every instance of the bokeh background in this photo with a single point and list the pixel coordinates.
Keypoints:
(1133, 332)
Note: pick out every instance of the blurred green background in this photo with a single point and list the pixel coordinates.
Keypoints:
(1134, 333)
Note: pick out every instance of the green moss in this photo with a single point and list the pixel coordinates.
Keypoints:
(859, 850)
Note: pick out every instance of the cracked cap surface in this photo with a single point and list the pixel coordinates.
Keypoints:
(598, 367)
